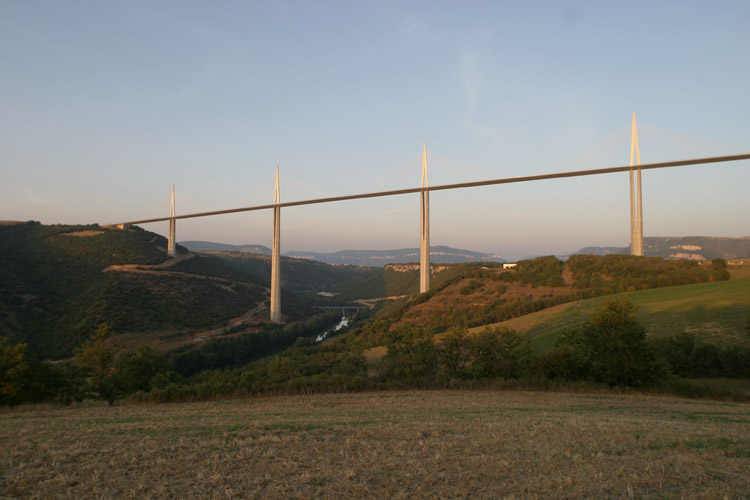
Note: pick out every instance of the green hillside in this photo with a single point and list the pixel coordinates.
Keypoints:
(716, 312)
(395, 280)
(297, 275)
(376, 283)
(57, 284)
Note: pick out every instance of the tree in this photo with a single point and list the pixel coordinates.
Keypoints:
(611, 348)
(719, 270)
(412, 355)
(97, 358)
(500, 352)
(13, 367)
(454, 354)
(136, 369)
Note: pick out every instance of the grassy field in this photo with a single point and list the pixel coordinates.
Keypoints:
(715, 312)
(442, 444)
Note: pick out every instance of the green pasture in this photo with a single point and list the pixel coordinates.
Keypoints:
(715, 312)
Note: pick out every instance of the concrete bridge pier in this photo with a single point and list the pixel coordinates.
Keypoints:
(636, 208)
(424, 228)
(171, 245)
(276, 257)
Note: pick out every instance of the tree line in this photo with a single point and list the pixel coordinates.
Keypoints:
(610, 349)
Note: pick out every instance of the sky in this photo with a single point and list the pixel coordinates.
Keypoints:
(105, 105)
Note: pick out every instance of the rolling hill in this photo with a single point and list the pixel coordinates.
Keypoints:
(716, 312)
(58, 282)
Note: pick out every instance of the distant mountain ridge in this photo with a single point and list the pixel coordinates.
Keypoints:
(379, 258)
(210, 246)
(371, 258)
(684, 247)
(667, 247)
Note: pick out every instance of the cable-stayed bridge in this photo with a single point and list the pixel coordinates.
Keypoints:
(636, 211)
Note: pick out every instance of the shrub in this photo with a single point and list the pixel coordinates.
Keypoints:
(611, 348)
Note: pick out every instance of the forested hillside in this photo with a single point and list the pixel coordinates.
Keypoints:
(55, 287)
(297, 275)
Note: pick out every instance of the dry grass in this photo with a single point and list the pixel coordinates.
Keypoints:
(447, 444)
(739, 268)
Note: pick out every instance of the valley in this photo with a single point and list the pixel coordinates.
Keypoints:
(204, 315)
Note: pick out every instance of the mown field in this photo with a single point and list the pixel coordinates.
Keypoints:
(716, 312)
(438, 444)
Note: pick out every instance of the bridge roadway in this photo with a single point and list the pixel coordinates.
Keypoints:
(507, 180)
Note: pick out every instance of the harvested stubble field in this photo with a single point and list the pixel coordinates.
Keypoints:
(436, 444)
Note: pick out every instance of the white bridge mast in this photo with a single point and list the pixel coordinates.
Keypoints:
(424, 228)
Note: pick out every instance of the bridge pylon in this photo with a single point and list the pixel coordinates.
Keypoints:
(171, 243)
(636, 207)
(424, 228)
(276, 257)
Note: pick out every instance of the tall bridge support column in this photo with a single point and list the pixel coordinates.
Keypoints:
(276, 257)
(636, 208)
(424, 228)
(171, 245)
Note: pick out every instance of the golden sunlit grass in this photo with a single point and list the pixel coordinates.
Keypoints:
(716, 312)
(441, 444)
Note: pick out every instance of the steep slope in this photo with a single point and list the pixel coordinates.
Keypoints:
(297, 275)
(58, 282)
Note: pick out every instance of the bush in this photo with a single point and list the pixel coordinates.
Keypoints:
(611, 348)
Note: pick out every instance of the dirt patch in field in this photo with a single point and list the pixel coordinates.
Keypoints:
(446, 444)
(83, 234)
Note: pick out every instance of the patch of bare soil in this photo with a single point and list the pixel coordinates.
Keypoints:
(83, 234)
(439, 444)
(147, 268)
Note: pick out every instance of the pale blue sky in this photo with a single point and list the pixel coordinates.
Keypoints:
(103, 105)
